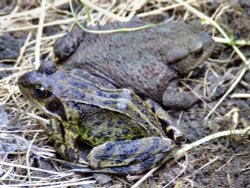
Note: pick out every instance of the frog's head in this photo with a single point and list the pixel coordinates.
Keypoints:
(190, 48)
(41, 89)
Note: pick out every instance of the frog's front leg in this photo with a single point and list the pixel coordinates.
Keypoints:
(63, 138)
(166, 121)
(130, 157)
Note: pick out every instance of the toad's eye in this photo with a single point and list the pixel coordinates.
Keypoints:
(41, 92)
(198, 52)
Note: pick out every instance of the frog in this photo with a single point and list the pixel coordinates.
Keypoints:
(149, 61)
(127, 135)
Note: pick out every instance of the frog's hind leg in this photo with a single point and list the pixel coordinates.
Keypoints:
(130, 157)
(166, 121)
(143, 166)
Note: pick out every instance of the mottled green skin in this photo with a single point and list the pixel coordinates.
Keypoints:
(124, 130)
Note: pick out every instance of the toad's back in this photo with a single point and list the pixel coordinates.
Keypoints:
(141, 59)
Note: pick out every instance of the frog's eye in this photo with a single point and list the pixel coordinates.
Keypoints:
(41, 92)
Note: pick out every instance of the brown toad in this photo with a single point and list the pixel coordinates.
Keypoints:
(149, 61)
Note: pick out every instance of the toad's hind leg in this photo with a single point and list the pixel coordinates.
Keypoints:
(130, 157)
(66, 45)
(166, 121)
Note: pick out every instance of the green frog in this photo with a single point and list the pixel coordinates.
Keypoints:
(127, 134)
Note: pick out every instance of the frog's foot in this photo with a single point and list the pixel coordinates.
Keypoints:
(130, 157)
(66, 152)
(166, 120)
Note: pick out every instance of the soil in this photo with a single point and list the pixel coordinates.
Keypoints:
(223, 162)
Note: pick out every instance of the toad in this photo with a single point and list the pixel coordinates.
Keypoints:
(149, 61)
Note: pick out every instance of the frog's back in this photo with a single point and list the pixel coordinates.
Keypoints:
(99, 126)
(104, 114)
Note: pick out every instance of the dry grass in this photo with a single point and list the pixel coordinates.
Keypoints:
(22, 139)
